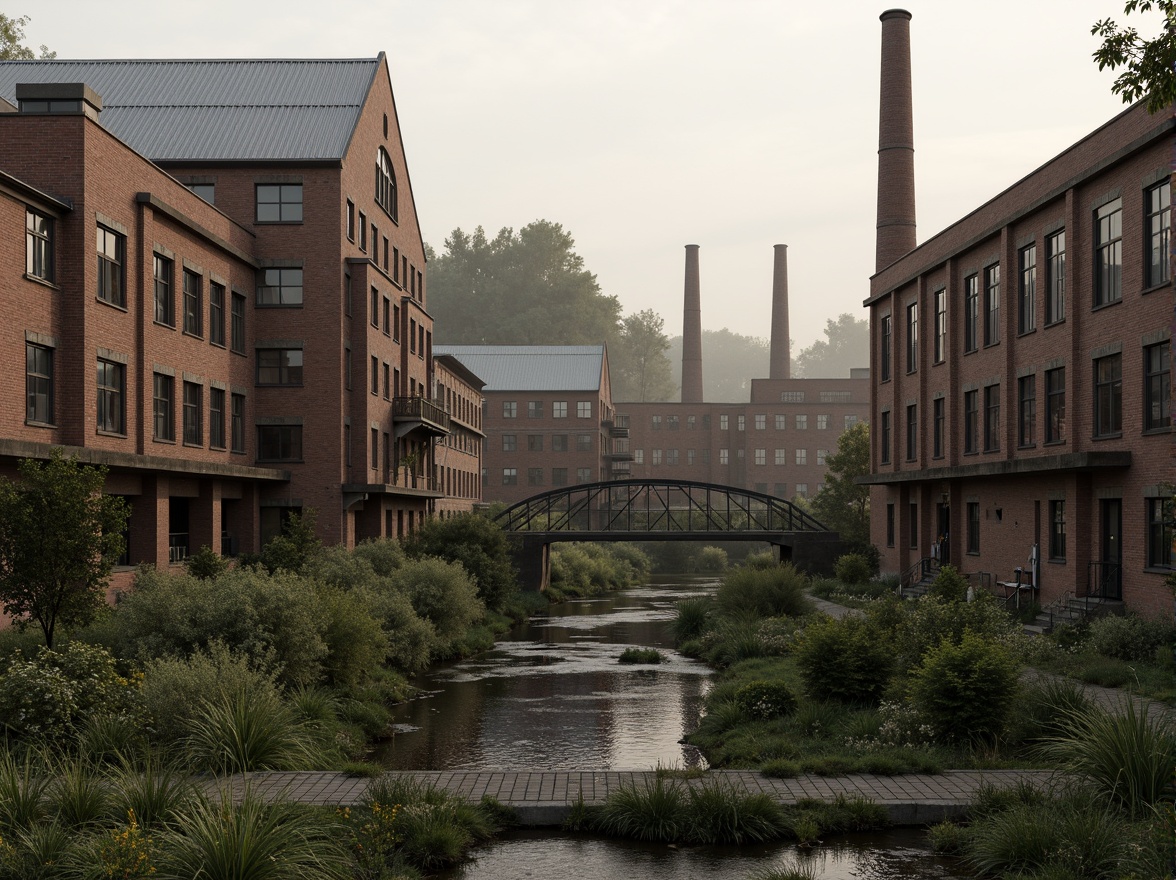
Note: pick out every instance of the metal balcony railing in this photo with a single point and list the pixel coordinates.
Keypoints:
(421, 409)
(177, 546)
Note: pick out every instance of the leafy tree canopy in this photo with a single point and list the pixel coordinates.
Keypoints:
(843, 505)
(846, 345)
(11, 37)
(59, 539)
(729, 362)
(640, 369)
(1149, 66)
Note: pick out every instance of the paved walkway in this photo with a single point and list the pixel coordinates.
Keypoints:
(544, 798)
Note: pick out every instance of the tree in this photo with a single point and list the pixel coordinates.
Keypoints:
(846, 345)
(1150, 65)
(639, 367)
(529, 288)
(11, 35)
(843, 505)
(729, 362)
(59, 539)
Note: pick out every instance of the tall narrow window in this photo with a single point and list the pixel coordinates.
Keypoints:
(971, 421)
(350, 221)
(237, 426)
(973, 526)
(1161, 533)
(1027, 290)
(992, 305)
(164, 309)
(111, 416)
(889, 525)
(39, 384)
(216, 313)
(1157, 387)
(1157, 232)
(940, 325)
(1027, 411)
(164, 407)
(237, 329)
(1057, 530)
(1108, 253)
(884, 349)
(912, 432)
(1055, 405)
(992, 418)
(385, 183)
(971, 312)
(1108, 396)
(884, 439)
(38, 245)
(193, 414)
(216, 418)
(1055, 303)
(912, 337)
(938, 419)
(111, 259)
(193, 307)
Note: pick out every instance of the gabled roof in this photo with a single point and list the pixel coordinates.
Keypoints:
(532, 367)
(218, 110)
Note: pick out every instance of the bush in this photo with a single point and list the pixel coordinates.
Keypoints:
(764, 592)
(411, 640)
(476, 542)
(442, 593)
(242, 732)
(1131, 638)
(762, 560)
(384, 555)
(712, 559)
(844, 660)
(355, 640)
(206, 564)
(933, 620)
(641, 655)
(764, 700)
(852, 569)
(949, 585)
(296, 547)
(692, 618)
(965, 690)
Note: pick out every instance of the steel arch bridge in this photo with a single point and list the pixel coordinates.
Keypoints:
(659, 510)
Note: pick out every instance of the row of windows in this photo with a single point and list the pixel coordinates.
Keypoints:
(759, 456)
(535, 409)
(559, 476)
(759, 422)
(982, 321)
(982, 414)
(559, 442)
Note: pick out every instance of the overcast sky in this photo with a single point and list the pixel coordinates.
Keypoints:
(646, 125)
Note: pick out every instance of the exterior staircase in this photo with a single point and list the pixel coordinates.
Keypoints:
(1069, 609)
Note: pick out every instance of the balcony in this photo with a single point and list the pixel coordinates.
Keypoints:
(419, 415)
(619, 455)
(618, 427)
(620, 470)
(177, 547)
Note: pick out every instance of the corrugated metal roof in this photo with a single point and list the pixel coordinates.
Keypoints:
(532, 367)
(284, 109)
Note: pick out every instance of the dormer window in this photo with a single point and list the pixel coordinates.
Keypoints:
(386, 184)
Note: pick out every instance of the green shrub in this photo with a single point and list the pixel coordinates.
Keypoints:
(844, 660)
(442, 593)
(764, 592)
(764, 700)
(816, 719)
(763, 560)
(852, 569)
(654, 811)
(712, 559)
(722, 814)
(780, 768)
(949, 585)
(384, 555)
(965, 690)
(932, 619)
(476, 542)
(411, 640)
(355, 640)
(1042, 707)
(297, 545)
(206, 564)
(947, 838)
(732, 641)
(1132, 638)
(691, 619)
(641, 655)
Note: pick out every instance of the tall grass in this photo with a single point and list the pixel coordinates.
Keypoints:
(23, 790)
(692, 618)
(154, 792)
(79, 796)
(718, 813)
(654, 811)
(242, 732)
(764, 592)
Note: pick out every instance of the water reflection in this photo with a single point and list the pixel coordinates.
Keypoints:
(554, 697)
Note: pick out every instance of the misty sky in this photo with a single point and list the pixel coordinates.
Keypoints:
(644, 125)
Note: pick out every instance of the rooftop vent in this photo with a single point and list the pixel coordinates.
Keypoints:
(58, 98)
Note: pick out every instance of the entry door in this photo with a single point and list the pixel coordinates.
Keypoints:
(1111, 579)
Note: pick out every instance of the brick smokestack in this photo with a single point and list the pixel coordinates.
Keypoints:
(896, 143)
(692, 331)
(780, 358)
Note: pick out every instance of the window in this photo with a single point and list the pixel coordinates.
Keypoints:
(781, 457)
(387, 382)
(559, 409)
(216, 313)
(193, 305)
(111, 257)
(374, 311)
(973, 526)
(690, 423)
(724, 423)
(279, 366)
(1161, 533)
(690, 456)
(992, 305)
(216, 419)
(740, 423)
(912, 434)
(802, 455)
(280, 287)
(279, 442)
(971, 312)
(761, 422)
(534, 443)
(940, 325)
(584, 475)
(279, 203)
(823, 422)
(395, 323)
(559, 442)
(350, 220)
(971, 421)
(1157, 233)
(800, 423)
(938, 419)
(164, 313)
(111, 385)
(1055, 405)
(38, 245)
(761, 456)
(638, 456)
(534, 409)
(237, 324)
(1057, 530)
(655, 456)
(238, 422)
(583, 443)
(1027, 290)
(884, 439)
(559, 476)
(1055, 303)
(584, 409)
(509, 442)
(1108, 253)
(164, 407)
(1027, 411)
(724, 456)
(781, 422)
(802, 490)
(535, 476)
(884, 349)
(387, 316)
(913, 521)
(912, 337)
(347, 367)
(849, 421)
(671, 456)
(889, 525)
(375, 448)
(374, 384)
(992, 418)
(363, 231)
(385, 183)
(822, 454)
(1108, 396)
(793, 396)
(39, 384)
(193, 414)
(1157, 386)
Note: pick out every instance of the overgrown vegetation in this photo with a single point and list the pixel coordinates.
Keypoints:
(589, 569)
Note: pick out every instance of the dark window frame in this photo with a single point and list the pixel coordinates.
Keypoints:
(971, 312)
(193, 286)
(277, 291)
(1027, 289)
(940, 325)
(1161, 532)
(237, 422)
(992, 418)
(1157, 232)
(912, 434)
(1157, 386)
(279, 443)
(280, 368)
(1107, 281)
(1055, 248)
(40, 235)
(884, 438)
(939, 423)
(1027, 411)
(386, 196)
(912, 337)
(237, 303)
(992, 304)
(193, 414)
(112, 268)
(884, 348)
(163, 408)
(1057, 530)
(216, 314)
(1108, 396)
(971, 422)
(111, 402)
(1055, 405)
(39, 384)
(216, 418)
(279, 201)
(973, 523)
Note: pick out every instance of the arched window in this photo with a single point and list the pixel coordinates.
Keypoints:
(386, 184)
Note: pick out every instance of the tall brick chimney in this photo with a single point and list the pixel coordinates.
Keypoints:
(692, 331)
(896, 143)
(780, 359)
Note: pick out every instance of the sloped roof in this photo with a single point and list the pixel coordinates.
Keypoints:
(532, 367)
(218, 110)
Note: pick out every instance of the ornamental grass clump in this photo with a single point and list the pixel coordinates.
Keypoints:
(635, 656)
(250, 731)
(720, 814)
(691, 620)
(764, 592)
(654, 811)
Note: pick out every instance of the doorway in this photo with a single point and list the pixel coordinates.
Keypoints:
(1110, 580)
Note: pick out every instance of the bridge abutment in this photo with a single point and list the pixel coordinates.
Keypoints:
(532, 557)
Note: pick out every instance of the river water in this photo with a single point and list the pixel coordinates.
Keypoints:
(553, 696)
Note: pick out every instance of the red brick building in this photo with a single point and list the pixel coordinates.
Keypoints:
(223, 299)
(1022, 394)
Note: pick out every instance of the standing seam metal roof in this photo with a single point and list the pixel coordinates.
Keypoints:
(224, 110)
(532, 367)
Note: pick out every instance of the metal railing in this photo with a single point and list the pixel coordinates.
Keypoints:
(177, 546)
(420, 408)
(1104, 580)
